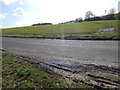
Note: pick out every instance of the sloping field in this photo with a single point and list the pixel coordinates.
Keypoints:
(67, 31)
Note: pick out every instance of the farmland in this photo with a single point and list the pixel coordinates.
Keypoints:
(85, 30)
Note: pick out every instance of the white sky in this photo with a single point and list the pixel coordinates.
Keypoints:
(55, 11)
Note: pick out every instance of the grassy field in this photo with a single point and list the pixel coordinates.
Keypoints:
(17, 73)
(83, 30)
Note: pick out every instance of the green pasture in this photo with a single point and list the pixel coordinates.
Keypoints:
(67, 31)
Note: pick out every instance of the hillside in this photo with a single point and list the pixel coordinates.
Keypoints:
(107, 29)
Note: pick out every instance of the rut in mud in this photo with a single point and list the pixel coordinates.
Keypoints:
(89, 74)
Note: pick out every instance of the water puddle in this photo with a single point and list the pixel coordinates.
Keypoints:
(62, 64)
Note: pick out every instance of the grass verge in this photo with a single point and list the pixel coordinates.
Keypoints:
(17, 73)
(71, 36)
(20, 74)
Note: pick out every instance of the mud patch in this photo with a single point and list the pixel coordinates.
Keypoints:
(89, 74)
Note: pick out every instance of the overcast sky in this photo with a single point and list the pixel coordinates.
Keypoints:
(15, 13)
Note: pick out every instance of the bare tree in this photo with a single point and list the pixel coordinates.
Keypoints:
(105, 13)
(89, 14)
(112, 11)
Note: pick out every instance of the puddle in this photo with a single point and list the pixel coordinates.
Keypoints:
(63, 64)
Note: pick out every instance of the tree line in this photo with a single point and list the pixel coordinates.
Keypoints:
(89, 16)
(41, 24)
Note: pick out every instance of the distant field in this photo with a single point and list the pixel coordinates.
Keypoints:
(84, 30)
